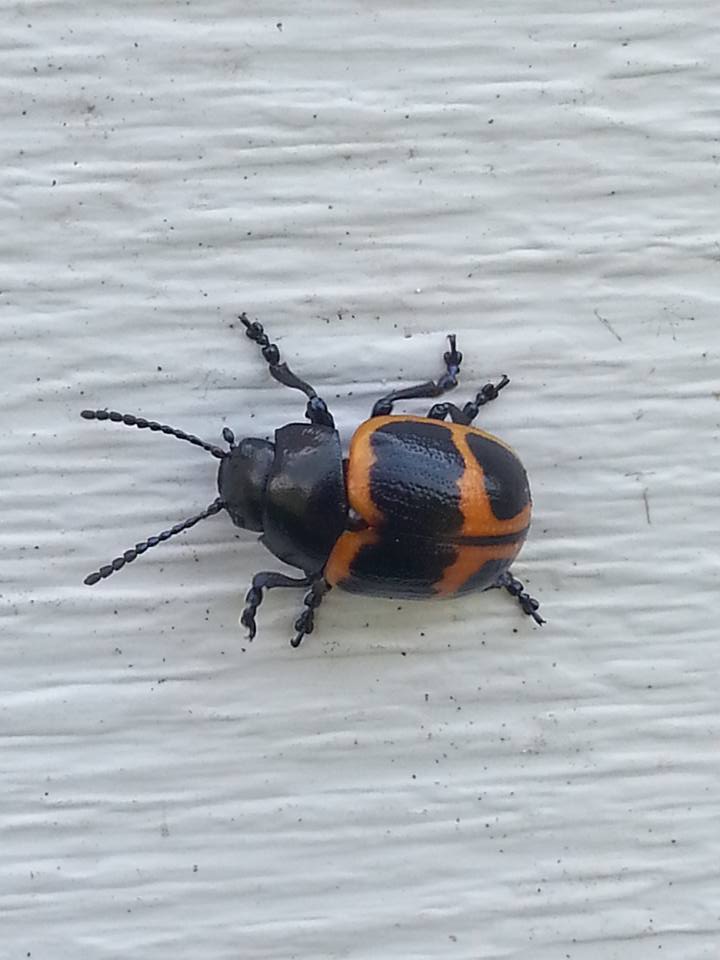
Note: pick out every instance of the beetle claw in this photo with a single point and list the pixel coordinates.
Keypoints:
(305, 624)
(453, 358)
(247, 619)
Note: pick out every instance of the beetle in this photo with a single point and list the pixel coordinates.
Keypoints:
(420, 507)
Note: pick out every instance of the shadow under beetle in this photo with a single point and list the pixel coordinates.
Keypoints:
(419, 508)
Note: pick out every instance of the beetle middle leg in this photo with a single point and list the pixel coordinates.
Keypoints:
(468, 413)
(316, 410)
(305, 623)
(431, 388)
(516, 589)
(265, 581)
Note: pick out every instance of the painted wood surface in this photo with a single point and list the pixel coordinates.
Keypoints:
(416, 781)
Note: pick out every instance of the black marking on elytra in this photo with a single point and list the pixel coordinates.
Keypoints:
(399, 567)
(414, 480)
(506, 482)
(490, 541)
(486, 577)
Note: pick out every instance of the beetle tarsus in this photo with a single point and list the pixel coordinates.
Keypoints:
(466, 415)
(253, 599)
(267, 580)
(516, 588)
(453, 359)
(431, 388)
(305, 623)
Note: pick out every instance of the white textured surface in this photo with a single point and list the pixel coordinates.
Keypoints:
(441, 781)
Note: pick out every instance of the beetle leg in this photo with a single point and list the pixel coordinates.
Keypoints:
(316, 410)
(305, 623)
(265, 581)
(468, 413)
(441, 411)
(432, 388)
(516, 588)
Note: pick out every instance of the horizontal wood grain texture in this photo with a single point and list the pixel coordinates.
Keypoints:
(416, 781)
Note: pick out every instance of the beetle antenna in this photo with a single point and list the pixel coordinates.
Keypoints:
(119, 562)
(131, 421)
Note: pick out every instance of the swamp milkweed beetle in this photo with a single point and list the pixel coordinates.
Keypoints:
(419, 508)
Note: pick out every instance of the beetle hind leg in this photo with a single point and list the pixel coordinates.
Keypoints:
(468, 413)
(516, 588)
(260, 582)
(316, 410)
(305, 623)
(431, 388)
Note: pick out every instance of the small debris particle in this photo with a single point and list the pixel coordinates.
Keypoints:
(647, 505)
(607, 323)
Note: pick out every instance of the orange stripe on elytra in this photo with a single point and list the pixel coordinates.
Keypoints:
(361, 461)
(346, 549)
(475, 505)
(469, 560)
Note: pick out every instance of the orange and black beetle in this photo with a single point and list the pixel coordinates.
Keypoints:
(420, 508)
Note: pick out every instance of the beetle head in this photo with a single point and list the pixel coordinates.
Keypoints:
(242, 479)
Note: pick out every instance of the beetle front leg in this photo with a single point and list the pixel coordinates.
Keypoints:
(265, 581)
(516, 589)
(305, 623)
(432, 388)
(316, 410)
